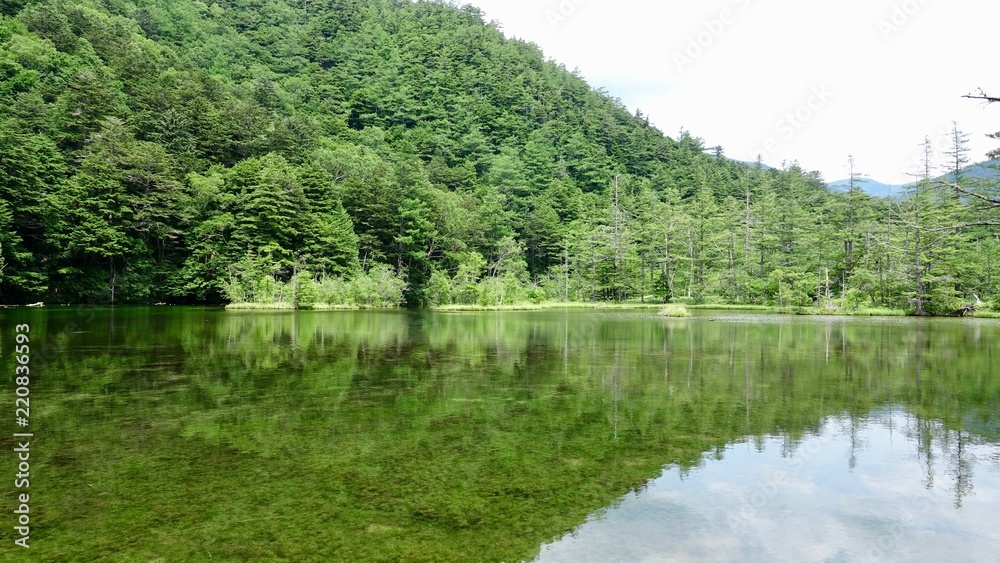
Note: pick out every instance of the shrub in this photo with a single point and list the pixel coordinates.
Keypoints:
(674, 310)
(305, 290)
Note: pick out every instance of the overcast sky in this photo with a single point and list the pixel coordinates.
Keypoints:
(787, 79)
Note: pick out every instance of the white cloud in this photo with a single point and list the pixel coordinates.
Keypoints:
(898, 69)
(761, 506)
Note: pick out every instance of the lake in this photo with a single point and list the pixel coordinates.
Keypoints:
(189, 434)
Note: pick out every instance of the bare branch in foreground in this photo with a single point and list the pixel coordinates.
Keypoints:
(982, 96)
(993, 201)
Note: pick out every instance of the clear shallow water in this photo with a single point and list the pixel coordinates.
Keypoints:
(187, 434)
(887, 487)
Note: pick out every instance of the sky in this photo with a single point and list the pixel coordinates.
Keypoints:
(789, 80)
(741, 507)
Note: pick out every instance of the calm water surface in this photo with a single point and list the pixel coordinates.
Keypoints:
(196, 434)
(860, 489)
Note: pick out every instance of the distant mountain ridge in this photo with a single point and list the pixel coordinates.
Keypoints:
(988, 170)
(752, 163)
(870, 186)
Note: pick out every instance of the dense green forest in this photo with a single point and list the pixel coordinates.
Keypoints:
(387, 151)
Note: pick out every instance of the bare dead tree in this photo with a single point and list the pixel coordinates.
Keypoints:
(987, 99)
(990, 197)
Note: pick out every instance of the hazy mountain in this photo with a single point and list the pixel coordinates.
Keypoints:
(872, 187)
(989, 170)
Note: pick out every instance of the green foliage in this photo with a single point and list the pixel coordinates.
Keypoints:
(258, 281)
(146, 151)
(943, 298)
(438, 290)
(304, 290)
(378, 287)
(535, 294)
(332, 291)
(791, 289)
(255, 280)
(674, 310)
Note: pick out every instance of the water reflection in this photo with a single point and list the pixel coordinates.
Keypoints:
(890, 486)
(472, 436)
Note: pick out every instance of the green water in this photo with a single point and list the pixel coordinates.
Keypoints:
(175, 434)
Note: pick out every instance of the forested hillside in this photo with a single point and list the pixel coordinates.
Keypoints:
(369, 152)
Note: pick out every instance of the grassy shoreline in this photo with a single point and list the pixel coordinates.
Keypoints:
(549, 305)
(668, 310)
(291, 307)
(807, 311)
(734, 307)
(470, 308)
(857, 312)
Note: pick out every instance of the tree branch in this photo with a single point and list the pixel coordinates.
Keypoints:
(982, 96)
(960, 226)
(993, 201)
